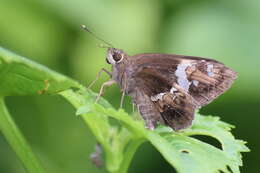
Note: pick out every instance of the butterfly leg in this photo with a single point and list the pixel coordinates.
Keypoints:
(123, 94)
(98, 76)
(122, 100)
(106, 84)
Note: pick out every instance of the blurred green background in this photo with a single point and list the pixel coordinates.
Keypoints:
(49, 32)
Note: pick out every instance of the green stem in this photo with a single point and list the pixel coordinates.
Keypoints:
(17, 141)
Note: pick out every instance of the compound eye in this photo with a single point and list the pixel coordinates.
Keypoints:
(114, 56)
(117, 57)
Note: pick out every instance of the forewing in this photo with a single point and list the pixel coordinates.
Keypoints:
(209, 80)
(202, 78)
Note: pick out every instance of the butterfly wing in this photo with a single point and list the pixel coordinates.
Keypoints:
(168, 88)
(204, 79)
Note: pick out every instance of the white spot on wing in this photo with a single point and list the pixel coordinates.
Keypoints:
(173, 90)
(157, 97)
(160, 96)
(210, 70)
(182, 76)
(195, 83)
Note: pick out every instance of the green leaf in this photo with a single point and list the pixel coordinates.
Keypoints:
(187, 153)
(180, 149)
(20, 76)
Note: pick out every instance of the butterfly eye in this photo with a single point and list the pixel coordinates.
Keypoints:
(114, 56)
(117, 57)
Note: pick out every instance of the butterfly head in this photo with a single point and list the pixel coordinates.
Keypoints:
(114, 56)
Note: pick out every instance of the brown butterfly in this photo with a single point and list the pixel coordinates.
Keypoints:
(168, 88)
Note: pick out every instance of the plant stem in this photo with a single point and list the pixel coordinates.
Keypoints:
(17, 141)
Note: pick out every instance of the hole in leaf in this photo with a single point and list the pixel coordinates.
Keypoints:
(208, 139)
(185, 151)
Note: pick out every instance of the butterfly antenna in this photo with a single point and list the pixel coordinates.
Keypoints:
(84, 27)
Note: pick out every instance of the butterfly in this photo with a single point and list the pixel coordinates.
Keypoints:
(168, 88)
